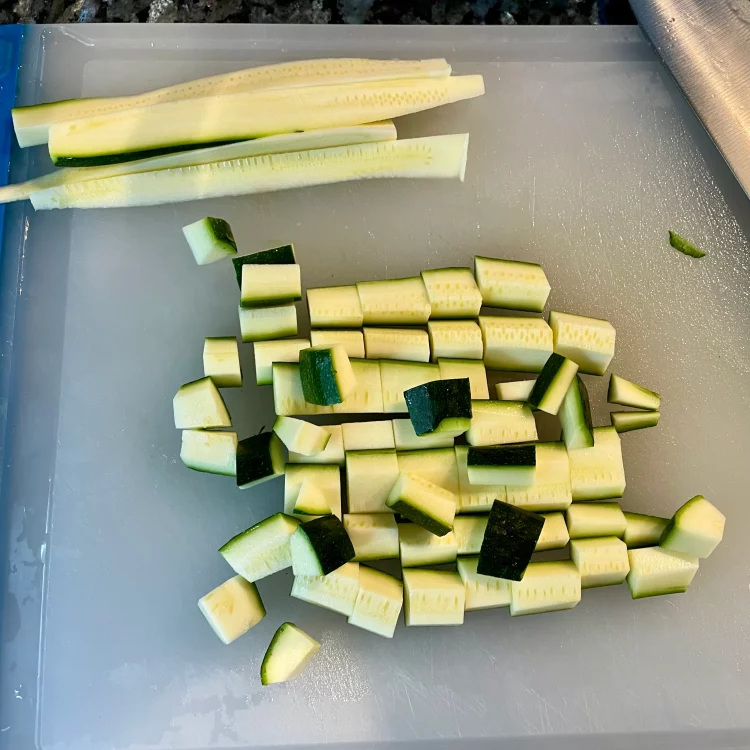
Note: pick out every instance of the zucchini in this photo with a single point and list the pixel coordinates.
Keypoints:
(627, 421)
(433, 597)
(161, 128)
(601, 562)
(32, 124)
(452, 293)
(378, 603)
(598, 473)
(554, 533)
(337, 591)
(333, 453)
(553, 383)
(511, 284)
(320, 546)
(288, 398)
(367, 396)
(695, 529)
(300, 436)
(516, 344)
(625, 393)
(418, 546)
(508, 464)
(482, 592)
(437, 465)
(455, 339)
(423, 503)
(440, 406)
(268, 352)
(263, 549)
(442, 157)
(589, 342)
(398, 377)
(327, 478)
(551, 489)
(406, 344)
(368, 436)
(200, 405)
(394, 301)
(232, 608)
(685, 246)
(352, 341)
(469, 532)
(500, 422)
(334, 307)
(517, 390)
(546, 587)
(370, 476)
(210, 240)
(287, 655)
(212, 452)
(509, 541)
(575, 416)
(221, 362)
(586, 520)
(259, 458)
(311, 500)
(655, 571)
(643, 530)
(265, 323)
(326, 374)
(408, 440)
(451, 369)
(269, 285)
(474, 498)
(275, 256)
(374, 536)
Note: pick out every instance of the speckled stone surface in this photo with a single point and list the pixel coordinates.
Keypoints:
(318, 11)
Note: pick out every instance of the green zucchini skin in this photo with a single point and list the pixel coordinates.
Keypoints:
(318, 377)
(507, 455)
(575, 416)
(545, 378)
(126, 156)
(258, 459)
(438, 400)
(330, 542)
(509, 541)
(283, 255)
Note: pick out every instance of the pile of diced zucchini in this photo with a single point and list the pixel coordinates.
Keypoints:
(452, 478)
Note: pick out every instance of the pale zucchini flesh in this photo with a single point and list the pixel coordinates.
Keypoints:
(451, 369)
(482, 592)
(695, 529)
(300, 436)
(288, 398)
(515, 344)
(418, 546)
(517, 390)
(511, 284)
(232, 608)
(469, 532)
(437, 465)
(655, 571)
(433, 597)
(597, 473)
(266, 285)
(337, 591)
(374, 536)
(311, 500)
(551, 489)
(332, 454)
(455, 339)
(501, 422)
(199, 405)
(267, 323)
(627, 421)
(280, 350)
(210, 451)
(406, 438)
(370, 476)
(287, 655)
(601, 561)
(378, 603)
(643, 530)
(221, 362)
(368, 436)
(397, 377)
(589, 342)
(546, 587)
(627, 393)
(327, 478)
(352, 341)
(474, 498)
(423, 502)
(367, 395)
(554, 533)
(405, 344)
(452, 292)
(334, 307)
(210, 240)
(587, 520)
(394, 301)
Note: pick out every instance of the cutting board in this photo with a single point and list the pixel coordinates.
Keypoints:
(583, 154)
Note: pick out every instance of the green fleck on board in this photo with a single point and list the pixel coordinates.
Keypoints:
(685, 247)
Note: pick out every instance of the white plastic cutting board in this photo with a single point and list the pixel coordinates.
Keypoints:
(583, 154)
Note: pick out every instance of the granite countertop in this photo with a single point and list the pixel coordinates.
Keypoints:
(319, 11)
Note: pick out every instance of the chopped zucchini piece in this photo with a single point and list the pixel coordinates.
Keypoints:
(210, 240)
(263, 549)
(326, 374)
(333, 453)
(370, 476)
(327, 478)
(627, 421)
(546, 587)
(625, 393)
(586, 520)
(500, 422)
(437, 465)
(553, 383)
(598, 473)
(508, 465)
(276, 256)
(266, 285)
(516, 344)
(511, 284)
(311, 500)
(482, 592)
(378, 603)
(684, 246)
(211, 452)
(589, 342)
(288, 398)
(405, 344)
(695, 530)
(424, 503)
(433, 597)
(575, 416)
(655, 571)
(373, 535)
(516, 390)
(418, 546)
(469, 532)
(334, 307)
(440, 406)
(601, 561)
(199, 405)
(221, 362)
(320, 546)
(407, 440)
(287, 655)
(232, 608)
(554, 533)
(643, 530)
(368, 436)
(399, 377)
(259, 458)
(455, 339)
(452, 292)
(452, 369)
(300, 436)
(474, 498)
(551, 489)
(265, 323)
(394, 302)
(367, 395)
(509, 541)
(352, 341)
(268, 352)
(337, 591)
